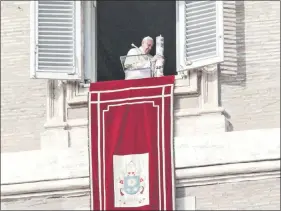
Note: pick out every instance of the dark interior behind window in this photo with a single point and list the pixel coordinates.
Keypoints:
(120, 23)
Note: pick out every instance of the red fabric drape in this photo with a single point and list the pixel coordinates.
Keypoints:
(131, 144)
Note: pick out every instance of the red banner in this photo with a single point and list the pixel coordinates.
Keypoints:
(131, 144)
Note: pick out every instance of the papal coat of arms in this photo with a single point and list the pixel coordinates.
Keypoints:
(132, 186)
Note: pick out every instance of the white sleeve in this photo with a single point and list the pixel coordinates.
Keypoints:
(132, 52)
(130, 60)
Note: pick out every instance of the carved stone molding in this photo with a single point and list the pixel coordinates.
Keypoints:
(77, 94)
(209, 87)
(55, 135)
(186, 83)
(209, 159)
(184, 178)
(55, 102)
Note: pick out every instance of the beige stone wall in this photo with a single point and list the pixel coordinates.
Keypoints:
(23, 100)
(224, 170)
(245, 195)
(250, 76)
(249, 79)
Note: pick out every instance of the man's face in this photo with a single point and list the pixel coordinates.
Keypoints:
(147, 46)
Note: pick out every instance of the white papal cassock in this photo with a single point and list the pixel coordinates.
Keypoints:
(136, 59)
(137, 64)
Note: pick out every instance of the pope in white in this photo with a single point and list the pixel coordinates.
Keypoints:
(139, 57)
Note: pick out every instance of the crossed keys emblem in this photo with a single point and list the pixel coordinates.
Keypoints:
(132, 185)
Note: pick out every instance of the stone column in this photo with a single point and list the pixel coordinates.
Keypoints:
(55, 134)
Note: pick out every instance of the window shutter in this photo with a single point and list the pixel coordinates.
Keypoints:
(232, 42)
(56, 40)
(203, 32)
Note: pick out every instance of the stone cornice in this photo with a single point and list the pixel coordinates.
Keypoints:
(209, 159)
(184, 178)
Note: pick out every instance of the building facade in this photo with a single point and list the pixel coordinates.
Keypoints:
(226, 117)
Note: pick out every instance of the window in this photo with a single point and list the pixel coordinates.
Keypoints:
(63, 37)
(129, 22)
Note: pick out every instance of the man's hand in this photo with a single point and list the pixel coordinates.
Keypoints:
(156, 57)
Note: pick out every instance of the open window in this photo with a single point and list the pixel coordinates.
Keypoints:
(63, 42)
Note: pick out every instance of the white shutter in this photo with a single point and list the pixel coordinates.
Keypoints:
(201, 33)
(231, 41)
(56, 39)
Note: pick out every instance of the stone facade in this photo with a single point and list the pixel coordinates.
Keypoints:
(249, 82)
(23, 101)
(249, 86)
(250, 195)
(221, 171)
(246, 195)
(237, 170)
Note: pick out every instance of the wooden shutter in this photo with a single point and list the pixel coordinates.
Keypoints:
(202, 32)
(56, 39)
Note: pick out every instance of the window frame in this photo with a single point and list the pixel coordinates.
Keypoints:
(89, 49)
(189, 84)
(90, 36)
(77, 92)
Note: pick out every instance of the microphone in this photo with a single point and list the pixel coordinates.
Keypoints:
(136, 47)
(133, 45)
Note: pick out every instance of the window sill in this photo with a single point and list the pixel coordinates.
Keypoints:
(180, 89)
